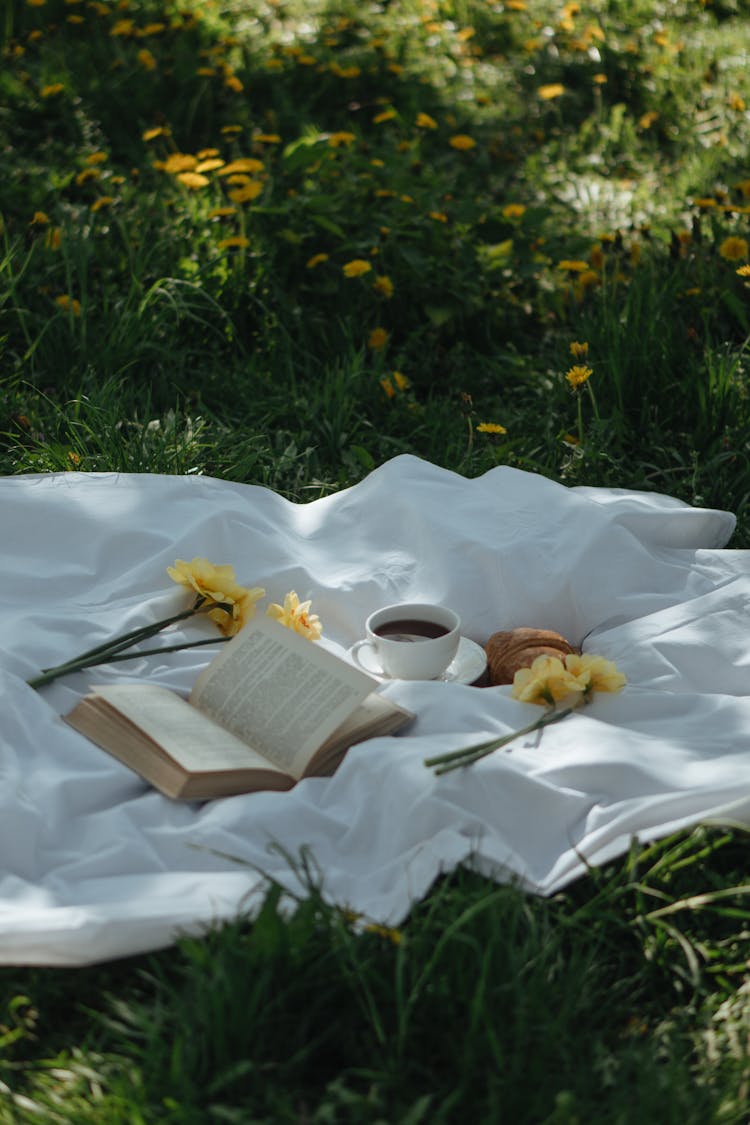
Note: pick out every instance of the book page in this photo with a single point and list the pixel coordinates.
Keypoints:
(280, 692)
(189, 737)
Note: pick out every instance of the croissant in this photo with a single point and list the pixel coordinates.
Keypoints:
(518, 648)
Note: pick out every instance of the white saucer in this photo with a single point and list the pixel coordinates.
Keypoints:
(468, 664)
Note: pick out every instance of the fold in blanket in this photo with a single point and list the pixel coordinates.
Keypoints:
(94, 864)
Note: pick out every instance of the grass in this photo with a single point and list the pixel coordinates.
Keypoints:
(514, 178)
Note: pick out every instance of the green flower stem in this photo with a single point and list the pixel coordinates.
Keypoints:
(469, 754)
(112, 650)
(131, 638)
(168, 648)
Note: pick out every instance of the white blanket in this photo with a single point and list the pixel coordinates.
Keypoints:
(94, 864)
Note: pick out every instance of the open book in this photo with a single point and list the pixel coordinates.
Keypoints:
(272, 707)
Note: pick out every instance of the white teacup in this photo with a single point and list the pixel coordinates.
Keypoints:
(413, 640)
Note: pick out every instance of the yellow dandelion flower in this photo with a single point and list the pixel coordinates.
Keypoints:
(157, 131)
(384, 286)
(513, 210)
(40, 219)
(267, 138)
(345, 71)
(515, 5)
(179, 162)
(388, 388)
(438, 216)
(53, 238)
(207, 153)
(153, 29)
(124, 28)
(551, 91)
(233, 83)
(68, 304)
(377, 339)
(647, 119)
(316, 260)
(230, 130)
(491, 428)
(243, 164)
(386, 115)
(86, 175)
(733, 248)
(743, 271)
(193, 180)
(336, 140)
(578, 375)
(424, 121)
(52, 90)
(236, 242)
(96, 158)
(247, 193)
(599, 79)
(461, 142)
(736, 102)
(222, 212)
(209, 165)
(572, 265)
(102, 202)
(296, 615)
(401, 381)
(356, 268)
(579, 351)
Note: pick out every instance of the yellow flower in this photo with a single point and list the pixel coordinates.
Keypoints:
(595, 673)
(69, 304)
(513, 210)
(573, 265)
(193, 180)
(238, 242)
(152, 134)
(267, 138)
(551, 91)
(377, 339)
(647, 119)
(743, 271)
(384, 115)
(52, 90)
(86, 175)
(438, 216)
(734, 248)
(316, 260)
(243, 164)
(462, 142)
(96, 158)
(387, 386)
(179, 162)
(579, 351)
(547, 681)
(146, 59)
(384, 286)
(40, 219)
(578, 374)
(209, 165)
(222, 212)
(101, 202)
(246, 193)
(234, 604)
(356, 267)
(424, 121)
(295, 615)
(491, 428)
(400, 380)
(336, 140)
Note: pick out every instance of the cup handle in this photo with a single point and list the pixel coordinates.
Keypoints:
(354, 651)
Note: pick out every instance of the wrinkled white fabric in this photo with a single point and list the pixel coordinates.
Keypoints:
(95, 864)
